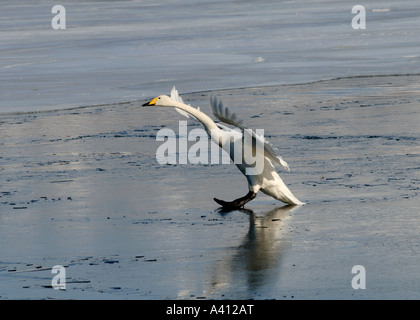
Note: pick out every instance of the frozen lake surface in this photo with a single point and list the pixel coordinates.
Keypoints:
(82, 188)
(116, 51)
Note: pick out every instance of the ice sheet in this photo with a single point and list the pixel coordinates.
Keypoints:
(82, 189)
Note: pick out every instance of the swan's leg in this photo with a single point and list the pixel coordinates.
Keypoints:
(238, 203)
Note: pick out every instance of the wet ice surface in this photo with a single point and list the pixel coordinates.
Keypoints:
(114, 51)
(81, 188)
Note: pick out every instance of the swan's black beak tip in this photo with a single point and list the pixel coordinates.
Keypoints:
(150, 103)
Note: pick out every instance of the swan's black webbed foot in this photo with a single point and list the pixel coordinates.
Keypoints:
(225, 204)
(238, 203)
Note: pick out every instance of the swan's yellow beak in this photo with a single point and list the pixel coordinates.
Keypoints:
(150, 103)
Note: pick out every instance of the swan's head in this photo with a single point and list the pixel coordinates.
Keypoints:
(162, 101)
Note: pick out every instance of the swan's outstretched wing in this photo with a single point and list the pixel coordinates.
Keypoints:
(175, 96)
(270, 153)
(223, 114)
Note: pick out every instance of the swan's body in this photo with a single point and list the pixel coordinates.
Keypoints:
(268, 181)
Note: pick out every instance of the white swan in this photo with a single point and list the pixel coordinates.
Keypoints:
(268, 181)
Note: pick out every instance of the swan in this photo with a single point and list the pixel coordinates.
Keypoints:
(268, 181)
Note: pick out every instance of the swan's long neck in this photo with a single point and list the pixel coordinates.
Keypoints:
(202, 117)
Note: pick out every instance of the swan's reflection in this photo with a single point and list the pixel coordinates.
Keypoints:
(256, 262)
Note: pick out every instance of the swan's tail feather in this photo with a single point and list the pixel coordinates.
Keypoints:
(283, 163)
(281, 192)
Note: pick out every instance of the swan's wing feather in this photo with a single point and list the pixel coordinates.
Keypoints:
(185, 114)
(271, 154)
(223, 127)
(223, 114)
(175, 96)
(269, 151)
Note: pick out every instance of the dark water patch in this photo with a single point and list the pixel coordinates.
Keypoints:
(57, 162)
(353, 137)
(316, 137)
(79, 138)
(138, 133)
(111, 261)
